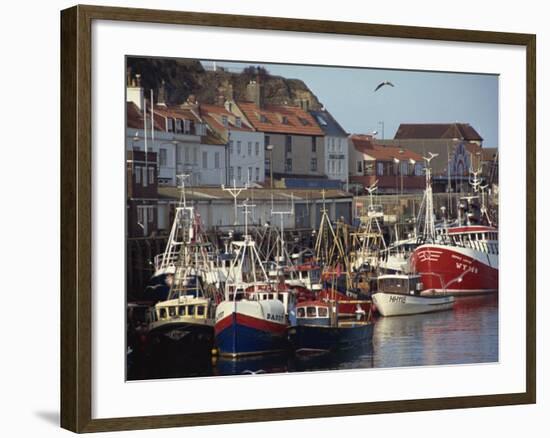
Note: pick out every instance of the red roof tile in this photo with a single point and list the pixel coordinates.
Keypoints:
(282, 119)
(212, 114)
(134, 118)
(365, 144)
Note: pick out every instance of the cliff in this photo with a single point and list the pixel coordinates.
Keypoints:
(185, 77)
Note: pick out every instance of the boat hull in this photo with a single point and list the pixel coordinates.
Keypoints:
(246, 328)
(455, 270)
(390, 304)
(181, 337)
(319, 339)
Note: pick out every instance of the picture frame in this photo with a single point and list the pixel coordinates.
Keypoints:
(76, 217)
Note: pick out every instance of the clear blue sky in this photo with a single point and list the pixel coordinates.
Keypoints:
(418, 97)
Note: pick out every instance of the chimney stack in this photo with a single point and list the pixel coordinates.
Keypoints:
(134, 91)
(162, 94)
(254, 93)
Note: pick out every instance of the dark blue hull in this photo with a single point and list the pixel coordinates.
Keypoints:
(181, 338)
(245, 339)
(317, 338)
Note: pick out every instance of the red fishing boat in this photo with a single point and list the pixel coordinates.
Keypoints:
(464, 262)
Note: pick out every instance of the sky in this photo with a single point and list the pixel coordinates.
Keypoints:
(417, 97)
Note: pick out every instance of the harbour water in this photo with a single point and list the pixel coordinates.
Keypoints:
(465, 335)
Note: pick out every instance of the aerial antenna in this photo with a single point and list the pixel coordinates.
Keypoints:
(181, 184)
(235, 192)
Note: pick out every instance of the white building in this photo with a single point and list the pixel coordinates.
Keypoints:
(245, 146)
(336, 146)
(180, 138)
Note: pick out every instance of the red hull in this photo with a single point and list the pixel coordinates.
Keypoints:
(457, 271)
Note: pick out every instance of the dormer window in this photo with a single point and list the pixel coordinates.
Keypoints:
(263, 118)
(179, 125)
(238, 122)
(303, 121)
(284, 120)
(225, 121)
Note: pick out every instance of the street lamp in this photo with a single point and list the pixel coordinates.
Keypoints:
(382, 124)
(269, 148)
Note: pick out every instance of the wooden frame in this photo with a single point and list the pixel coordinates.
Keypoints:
(76, 177)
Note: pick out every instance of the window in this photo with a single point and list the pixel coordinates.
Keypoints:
(140, 215)
(151, 174)
(150, 214)
(200, 310)
(404, 168)
(144, 176)
(311, 312)
(313, 166)
(230, 146)
(186, 155)
(179, 125)
(238, 148)
(303, 121)
(263, 119)
(204, 159)
(249, 174)
(380, 169)
(137, 172)
(190, 310)
(217, 160)
(301, 312)
(323, 312)
(339, 166)
(238, 122)
(257, 148)
(313, 145)
(288, 144)
(181, 311)
(224, 121)
(195, 156)
(288, 165)
(267, 140)
(249, 148)
(163, 158)
(200, 129)
(172, 311)
(257, 174)
(170, 124)
(239, 173)
(162, 313)
(187, 126)
(284, 120)
(231, 173)
(359, 166)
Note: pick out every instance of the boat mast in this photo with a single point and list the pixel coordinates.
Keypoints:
(429, 226)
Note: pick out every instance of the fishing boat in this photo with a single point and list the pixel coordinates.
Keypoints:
(457, 260)
(184, 322)
(320, 329)
(252, 319)
(401, 294)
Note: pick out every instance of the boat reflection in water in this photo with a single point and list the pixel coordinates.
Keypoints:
(466, 334)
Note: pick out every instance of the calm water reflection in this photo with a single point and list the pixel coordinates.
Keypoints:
(467, 334)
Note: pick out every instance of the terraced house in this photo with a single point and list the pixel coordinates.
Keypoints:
(293, 138)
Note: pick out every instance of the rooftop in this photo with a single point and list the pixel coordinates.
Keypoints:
(284, 119)
(253, 195)
(366, 145)
(460, 131)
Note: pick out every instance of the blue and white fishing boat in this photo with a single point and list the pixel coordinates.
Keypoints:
(319, 329)
(252, 319)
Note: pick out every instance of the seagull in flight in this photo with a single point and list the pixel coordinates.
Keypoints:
(381, 84)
